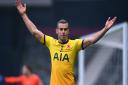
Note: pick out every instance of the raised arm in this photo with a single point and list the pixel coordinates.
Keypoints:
(98, 35)
(30, 25)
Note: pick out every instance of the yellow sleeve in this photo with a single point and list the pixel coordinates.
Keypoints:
(46, 40)
(79, 44)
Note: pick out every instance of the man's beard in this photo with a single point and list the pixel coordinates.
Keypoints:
(63, 40)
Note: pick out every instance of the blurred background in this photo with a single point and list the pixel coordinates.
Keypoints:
(18, 46)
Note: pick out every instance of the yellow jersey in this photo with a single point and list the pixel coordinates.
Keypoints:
(62, 59)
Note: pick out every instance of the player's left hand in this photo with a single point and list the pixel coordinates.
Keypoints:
(110, 22)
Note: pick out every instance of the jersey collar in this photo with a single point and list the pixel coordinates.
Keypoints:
(62, 43)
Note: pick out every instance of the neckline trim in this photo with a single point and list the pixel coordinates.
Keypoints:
(64, 42)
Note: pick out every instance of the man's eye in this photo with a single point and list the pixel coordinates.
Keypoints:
(65, 29)
(61, 29)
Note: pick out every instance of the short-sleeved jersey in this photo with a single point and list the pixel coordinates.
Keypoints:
(23, 80)
(62, 59)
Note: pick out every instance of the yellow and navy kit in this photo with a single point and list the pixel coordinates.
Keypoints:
(62, 59)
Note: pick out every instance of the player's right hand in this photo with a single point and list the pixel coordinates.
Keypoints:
(20, 7)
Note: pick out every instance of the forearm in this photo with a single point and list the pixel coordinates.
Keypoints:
(29, 24)
(31, 27)
(98, 35)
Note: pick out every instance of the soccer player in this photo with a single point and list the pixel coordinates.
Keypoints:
(63, 50)
(26, 78)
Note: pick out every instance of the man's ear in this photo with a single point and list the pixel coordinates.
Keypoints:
(68, 31)
(56, 30)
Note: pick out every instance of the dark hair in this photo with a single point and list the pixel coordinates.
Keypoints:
(62, 21)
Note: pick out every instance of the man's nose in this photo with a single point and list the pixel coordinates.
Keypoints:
(63, 31)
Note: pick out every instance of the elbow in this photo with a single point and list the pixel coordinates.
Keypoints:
(94, 41)
(34, 32)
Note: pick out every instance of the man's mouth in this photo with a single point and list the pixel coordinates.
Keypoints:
(63, 35)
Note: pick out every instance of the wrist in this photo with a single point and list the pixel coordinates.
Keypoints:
(22, 14)
(105, 29)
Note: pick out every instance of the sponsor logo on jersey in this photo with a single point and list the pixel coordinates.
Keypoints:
(61, 57)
